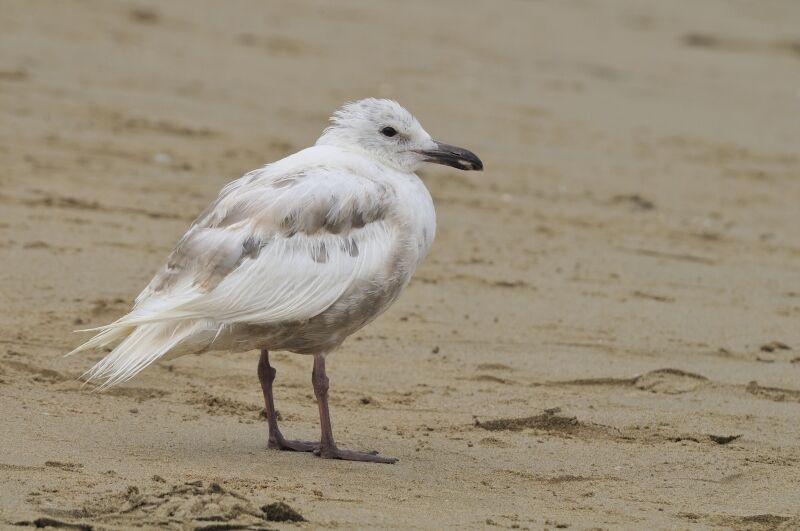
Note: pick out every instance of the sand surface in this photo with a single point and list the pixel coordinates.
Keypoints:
(605, 335)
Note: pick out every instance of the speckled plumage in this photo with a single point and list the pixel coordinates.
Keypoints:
(294, 256)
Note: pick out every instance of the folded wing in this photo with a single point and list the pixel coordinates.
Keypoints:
(273, 247)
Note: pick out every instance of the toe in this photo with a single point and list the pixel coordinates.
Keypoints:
(293, 446)
(350, 455)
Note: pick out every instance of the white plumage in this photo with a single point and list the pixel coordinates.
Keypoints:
(296, 255)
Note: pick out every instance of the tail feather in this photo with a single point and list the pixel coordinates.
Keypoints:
(142, 346)
(106, 337)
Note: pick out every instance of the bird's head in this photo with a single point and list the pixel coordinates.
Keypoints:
(386, 131)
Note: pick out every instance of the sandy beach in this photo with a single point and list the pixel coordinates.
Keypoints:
(606, 334)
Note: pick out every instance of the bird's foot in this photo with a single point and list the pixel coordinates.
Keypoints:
(292, 446)
(350, 455)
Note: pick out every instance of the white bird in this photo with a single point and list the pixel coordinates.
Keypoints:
(293, 256)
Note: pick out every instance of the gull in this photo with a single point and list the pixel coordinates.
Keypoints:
(294, 256)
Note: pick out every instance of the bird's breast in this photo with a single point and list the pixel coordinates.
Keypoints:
(416, 216)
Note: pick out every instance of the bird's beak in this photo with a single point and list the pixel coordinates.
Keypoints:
(460, 158)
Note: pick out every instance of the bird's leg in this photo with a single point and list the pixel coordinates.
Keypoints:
(266, 375)
(327, 448)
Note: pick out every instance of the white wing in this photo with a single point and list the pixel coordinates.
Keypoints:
(280, 244)
(275, 246)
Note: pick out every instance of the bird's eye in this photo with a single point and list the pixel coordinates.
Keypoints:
(389, 131)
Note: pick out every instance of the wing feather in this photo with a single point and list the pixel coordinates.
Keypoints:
(274, 246)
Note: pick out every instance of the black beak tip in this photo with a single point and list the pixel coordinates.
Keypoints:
(454, 156)
(477, 164)
(467, 160)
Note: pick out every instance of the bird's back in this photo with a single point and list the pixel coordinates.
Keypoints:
(295, 256)
(386, 214)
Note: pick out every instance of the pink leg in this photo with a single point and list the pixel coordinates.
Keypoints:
(327, 448)
(266, 374)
